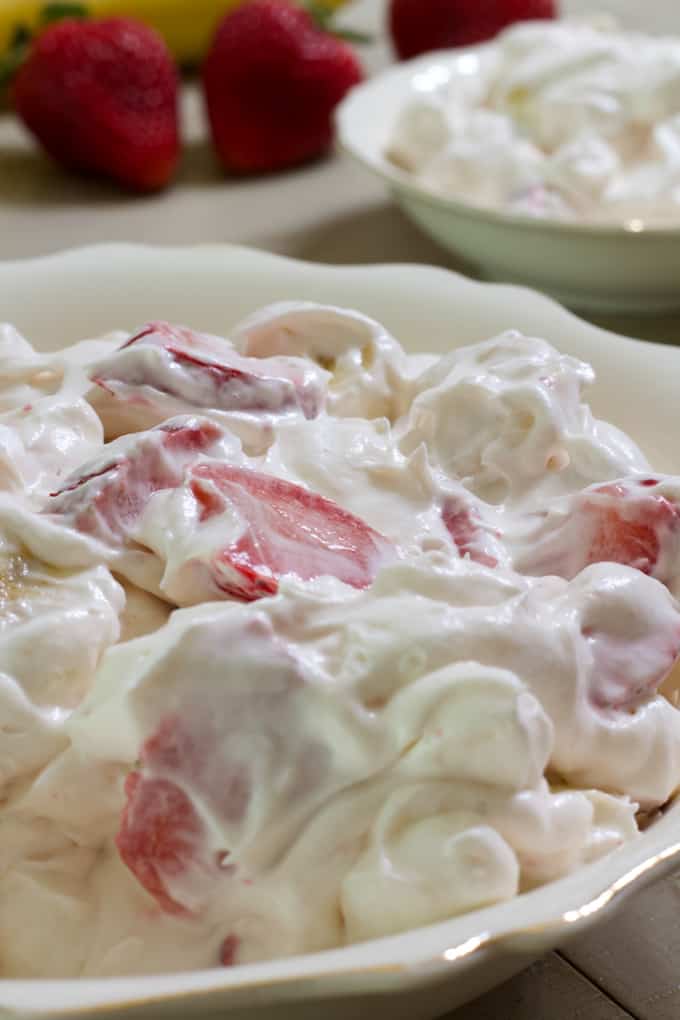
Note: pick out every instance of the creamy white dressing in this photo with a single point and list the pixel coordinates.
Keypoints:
(425, 607)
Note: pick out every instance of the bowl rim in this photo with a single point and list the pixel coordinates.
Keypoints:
(349, 111)
(295, 971)
(388, 962)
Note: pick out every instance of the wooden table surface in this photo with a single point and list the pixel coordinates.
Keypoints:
(335, 212)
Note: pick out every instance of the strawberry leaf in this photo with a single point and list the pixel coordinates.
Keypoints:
(352, 35)
(323, 17)
(22, 36)
(57, 11)
(13, 58)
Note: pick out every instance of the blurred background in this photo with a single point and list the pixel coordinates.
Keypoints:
(330, 210)
(651, 16)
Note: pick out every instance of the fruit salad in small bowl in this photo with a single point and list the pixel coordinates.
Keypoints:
(547, 156)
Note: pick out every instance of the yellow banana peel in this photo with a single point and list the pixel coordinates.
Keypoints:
(187, 25)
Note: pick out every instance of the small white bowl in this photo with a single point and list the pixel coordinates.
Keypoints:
(63, 298)
(630, 268)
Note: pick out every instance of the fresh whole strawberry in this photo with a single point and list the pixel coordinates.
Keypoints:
(101, 97)
(272, 79)
(417, 26)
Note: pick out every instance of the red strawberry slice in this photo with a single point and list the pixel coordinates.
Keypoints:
(628, 672)
(107, 501)
(206, 372)
(466, 531)
(632, 628)
(158, 332)
(629, 525)
(624, 522)
(286, 530)
(189, 809)
(162, 839)
(229, 950)
(238, 389)
(160, 836)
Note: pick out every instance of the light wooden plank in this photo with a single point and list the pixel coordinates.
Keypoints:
(551, 989)
(635, 957)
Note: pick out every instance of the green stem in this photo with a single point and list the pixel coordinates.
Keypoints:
(324, 18)
(22, 37)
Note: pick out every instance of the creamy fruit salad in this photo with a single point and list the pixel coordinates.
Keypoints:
(305, 640)
(569, 120)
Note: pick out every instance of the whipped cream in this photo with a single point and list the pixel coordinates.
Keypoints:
(568, 120)
(305, 640)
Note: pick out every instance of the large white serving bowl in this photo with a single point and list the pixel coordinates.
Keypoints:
(628, 268)
(418, 975)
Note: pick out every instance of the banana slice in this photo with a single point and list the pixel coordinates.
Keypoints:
(54, 627)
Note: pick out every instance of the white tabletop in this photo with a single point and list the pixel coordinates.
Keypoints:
(333, 211)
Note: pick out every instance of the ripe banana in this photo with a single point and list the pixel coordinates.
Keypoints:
(187, 25)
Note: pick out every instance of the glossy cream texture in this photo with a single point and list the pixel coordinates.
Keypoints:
(324, 643)
(569, 120)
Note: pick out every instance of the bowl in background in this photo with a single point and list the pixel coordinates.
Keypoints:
(631, 268)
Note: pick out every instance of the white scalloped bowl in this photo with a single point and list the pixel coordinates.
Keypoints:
(67, 297)
(630, 268)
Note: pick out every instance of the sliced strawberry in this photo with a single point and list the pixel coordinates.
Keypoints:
(161, 838)
(160, 331)
(627, 525)
(621, 522)
(205, 372)
(107, 501)
(286, 530)
(238, 389)
(229, 950)
(190, 810)
(87, 477)
(160, 835)
(630, 623)
(174, 747)
(629, 672)
(466, 531)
